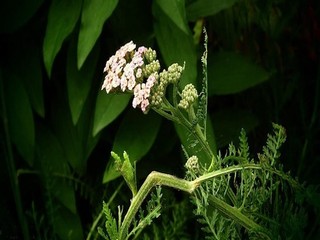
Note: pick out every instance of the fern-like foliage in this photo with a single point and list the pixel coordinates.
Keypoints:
(264, 197)
(111, 226)
(142, 220)
(173, 224)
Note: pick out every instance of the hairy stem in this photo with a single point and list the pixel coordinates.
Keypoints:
(162, 179)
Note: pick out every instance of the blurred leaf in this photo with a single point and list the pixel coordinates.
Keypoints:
(228, 123)
(191, 144)
(140, 30)
(94, 14)
(53, 162)
(108, 108)
(230, 73)
(79, 81)
(68, 225)
(136, 136)
(20, 117)
(175, 45)
(25, 62)
(62, 18)
(15, 14)
(204, 8)
(72, 138)
(175, 10)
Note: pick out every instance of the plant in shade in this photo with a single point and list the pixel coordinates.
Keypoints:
(235, 194)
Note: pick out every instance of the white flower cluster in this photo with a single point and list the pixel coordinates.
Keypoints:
(137, 71)
(142, 92)
(124, 68)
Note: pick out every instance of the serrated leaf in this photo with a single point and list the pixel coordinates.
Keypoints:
(20, 117)
(62, 18)
(175, 45)
(108, 108)
(136, 136)
(79, 81)
(175, 10)
(229, 122)
(204, 8)
(230, 73)
(94, 15)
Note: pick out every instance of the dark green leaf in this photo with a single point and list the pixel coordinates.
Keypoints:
(175, 45)
(136, 136)
(63, 16)
(20, 117)
(230, 73)
(175, 10)
(204, 8)
(54, 166)
(28, 67)
(108, 107)
(228, 124)
(68, 225)
(14, 14)
(94, 14)
(140, 31)
(79, 81)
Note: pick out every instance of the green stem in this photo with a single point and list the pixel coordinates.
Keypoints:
(162, 179)
(153, 179)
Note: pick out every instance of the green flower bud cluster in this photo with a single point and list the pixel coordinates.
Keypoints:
(172, 75)
(150, 55)
(192, 164)
(188, 97)
(152, 67)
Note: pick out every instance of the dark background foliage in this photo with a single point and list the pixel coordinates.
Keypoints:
(58, 128)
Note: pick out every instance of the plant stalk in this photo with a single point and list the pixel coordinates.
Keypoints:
(162, 179)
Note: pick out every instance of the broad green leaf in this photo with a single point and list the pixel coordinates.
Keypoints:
(192, 146)
(55, 171)
(136, 136)
(62, 18)
(20, 117)
(175, 45)
(25, 61)
(94, 14)
(228, 123)
(108, 108)
(79, 81)
(53, 161)
(175, 10)
(204, 8)
(15, 14)
(229, 73)
(72, 138)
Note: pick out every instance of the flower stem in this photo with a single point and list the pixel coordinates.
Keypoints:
(162, 179)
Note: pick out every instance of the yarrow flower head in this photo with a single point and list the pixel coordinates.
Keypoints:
(137, 71)
(124, 68)
(188, 96)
